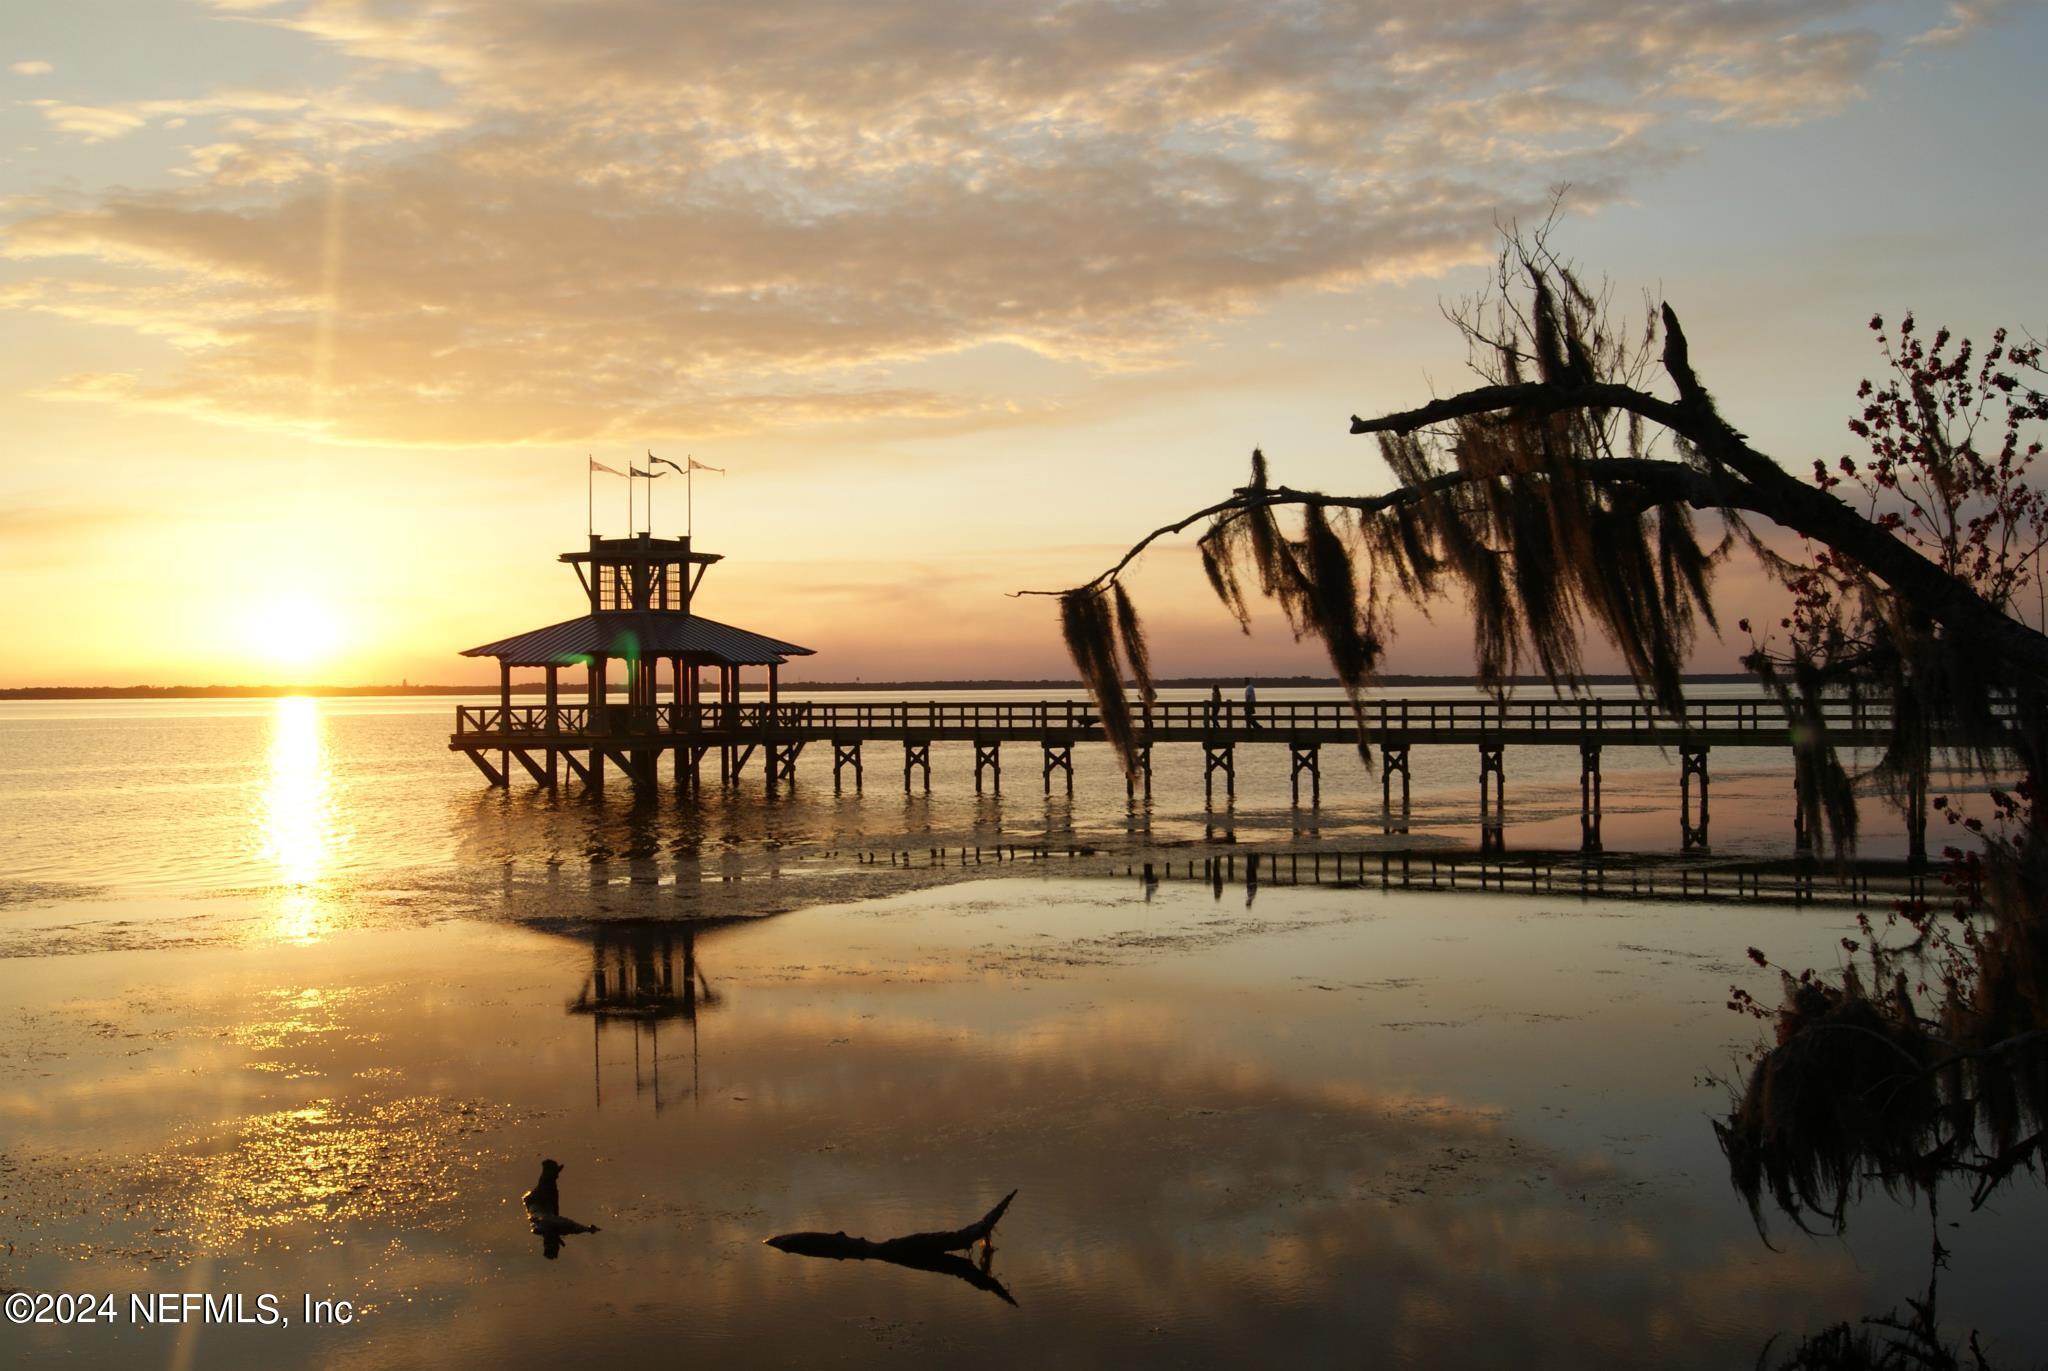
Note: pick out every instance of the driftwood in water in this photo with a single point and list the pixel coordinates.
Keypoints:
(919, 1251)
(543, 1211)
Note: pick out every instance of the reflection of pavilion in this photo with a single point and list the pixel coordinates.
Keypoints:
(641, 974)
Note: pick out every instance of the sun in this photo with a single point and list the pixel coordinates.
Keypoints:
(294, 629)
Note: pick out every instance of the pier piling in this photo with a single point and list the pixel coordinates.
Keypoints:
(1692, 762)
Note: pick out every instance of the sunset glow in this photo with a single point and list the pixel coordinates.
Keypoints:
(1155, 683)
(321, 289)
(293, 630)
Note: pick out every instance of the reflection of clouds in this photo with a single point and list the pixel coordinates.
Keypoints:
(1174, 1174)
(632, 218)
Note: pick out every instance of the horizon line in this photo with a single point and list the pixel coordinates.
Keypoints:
(249, 691)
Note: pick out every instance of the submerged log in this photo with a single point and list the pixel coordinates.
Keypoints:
(919, 1251)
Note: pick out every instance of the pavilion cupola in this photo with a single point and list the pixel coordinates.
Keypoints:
(641, 573)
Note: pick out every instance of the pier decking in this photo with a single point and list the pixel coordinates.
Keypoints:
(1758, 722)
(640, 596)
(634, 738)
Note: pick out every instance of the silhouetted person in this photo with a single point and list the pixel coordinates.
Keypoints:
(1214, 717)
(1251, 706)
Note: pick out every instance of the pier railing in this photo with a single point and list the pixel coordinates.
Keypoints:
(1760, 721)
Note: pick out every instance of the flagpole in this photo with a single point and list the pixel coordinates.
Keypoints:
(589, 498)
(689, 496)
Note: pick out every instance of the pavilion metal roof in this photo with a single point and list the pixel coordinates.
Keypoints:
(645, 633)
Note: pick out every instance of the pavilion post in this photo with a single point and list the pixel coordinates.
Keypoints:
(683, 712)
(554, 724)
(728, 716)
(505, 716)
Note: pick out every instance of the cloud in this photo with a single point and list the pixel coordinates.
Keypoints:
(1964, 18)
(34, 67)
(526, 221)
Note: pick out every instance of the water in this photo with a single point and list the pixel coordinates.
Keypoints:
(294, 1005)
(197, 797)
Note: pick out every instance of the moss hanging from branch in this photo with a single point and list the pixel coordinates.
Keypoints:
(1536, 499)
(1131, 638)
(1090, 630)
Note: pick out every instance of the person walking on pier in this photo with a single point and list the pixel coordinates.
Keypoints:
(1251, 706)
(1212, 717)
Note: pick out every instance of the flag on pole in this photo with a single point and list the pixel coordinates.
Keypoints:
(650, 475)
(652, 459)
(696, 465)
(596, 465)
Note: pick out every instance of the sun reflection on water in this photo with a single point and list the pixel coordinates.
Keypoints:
(299, 833)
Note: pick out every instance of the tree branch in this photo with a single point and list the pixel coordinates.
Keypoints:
(1766, 488)
(1664, 480)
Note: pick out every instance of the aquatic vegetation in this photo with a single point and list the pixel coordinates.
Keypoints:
(1922, 1061)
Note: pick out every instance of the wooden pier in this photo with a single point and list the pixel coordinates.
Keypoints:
(640, 595)
(769, 735)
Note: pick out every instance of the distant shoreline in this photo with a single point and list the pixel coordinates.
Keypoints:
(247, 692)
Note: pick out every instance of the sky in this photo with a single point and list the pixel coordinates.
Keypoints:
(315, 310)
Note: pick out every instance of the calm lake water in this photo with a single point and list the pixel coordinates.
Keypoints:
(293, 1006)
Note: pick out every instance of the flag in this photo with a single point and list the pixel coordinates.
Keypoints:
(652, 459)
(696, 465)
(650, 475)
(596, 465)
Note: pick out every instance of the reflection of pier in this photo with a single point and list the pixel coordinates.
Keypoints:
(1795, 881)
(641, 975)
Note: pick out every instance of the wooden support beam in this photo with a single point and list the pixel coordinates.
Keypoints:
(1589, 797)
(1493, 800)
(676, 722)
(917, 754)
(988, 753)
(1306, 758)
(1393, 760)
(554, 721)
(1692, 762)
(533, 768)
(1059, 756)
(728, 718)
(1218, 757)
(782, 761)
(577, 768)
(845, 753)
(491, 773)
(504, 714)
(1141, 765)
